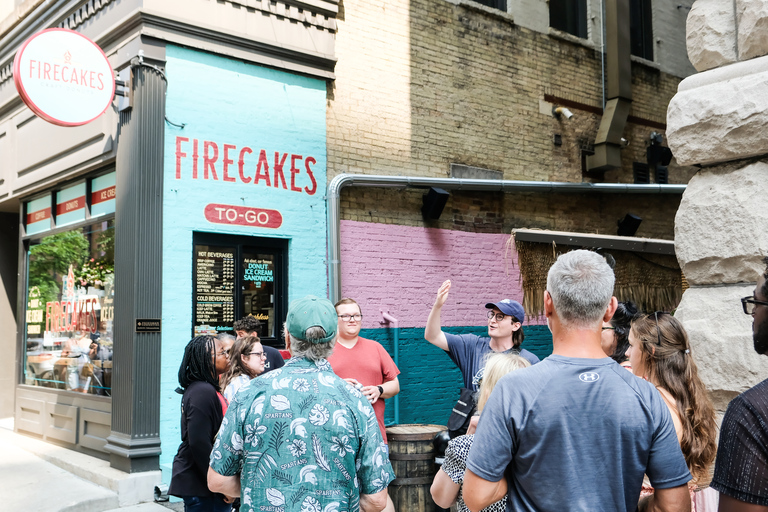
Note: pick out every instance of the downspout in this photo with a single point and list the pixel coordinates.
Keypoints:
(619, 89)
(333, 198)
(389, 319)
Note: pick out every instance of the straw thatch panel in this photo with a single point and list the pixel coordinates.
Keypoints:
(652, 281)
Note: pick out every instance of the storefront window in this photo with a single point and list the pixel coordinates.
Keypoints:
(70, 301)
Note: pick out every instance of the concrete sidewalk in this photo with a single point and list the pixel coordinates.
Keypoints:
(41, 477)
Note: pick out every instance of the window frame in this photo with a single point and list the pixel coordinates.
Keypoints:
(641, 26)
(576, 22)
(25, 242)
(244, 242)
(500, 5)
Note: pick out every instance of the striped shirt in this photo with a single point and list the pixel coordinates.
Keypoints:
(741, 468)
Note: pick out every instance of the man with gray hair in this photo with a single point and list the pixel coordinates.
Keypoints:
(299, 437)
(577, 431)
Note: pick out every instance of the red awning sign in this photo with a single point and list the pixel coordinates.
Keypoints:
(39, 215)
(100, 196)
(70, 205)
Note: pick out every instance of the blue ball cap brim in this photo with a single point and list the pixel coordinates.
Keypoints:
(509, 307)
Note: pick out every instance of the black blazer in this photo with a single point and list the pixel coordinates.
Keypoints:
(201, 417)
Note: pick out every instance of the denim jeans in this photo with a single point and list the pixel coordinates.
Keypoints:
(205, 504)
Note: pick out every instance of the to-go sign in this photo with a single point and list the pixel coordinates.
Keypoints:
(243, 216)
(63, 77)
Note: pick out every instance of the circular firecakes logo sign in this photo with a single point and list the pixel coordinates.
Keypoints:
(589, 377)
(63, 77)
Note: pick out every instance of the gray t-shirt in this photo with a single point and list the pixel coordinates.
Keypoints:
(470, 353)
(576, 434)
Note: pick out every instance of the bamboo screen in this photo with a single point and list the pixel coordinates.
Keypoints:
(652, 281)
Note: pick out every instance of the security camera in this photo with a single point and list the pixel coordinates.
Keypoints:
(562, 111)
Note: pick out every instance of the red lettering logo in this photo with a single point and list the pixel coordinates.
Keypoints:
(103, 195)
(243, 216)
(70, 205)
(39, 215)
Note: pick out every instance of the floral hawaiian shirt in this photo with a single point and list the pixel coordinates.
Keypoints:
(302, 439)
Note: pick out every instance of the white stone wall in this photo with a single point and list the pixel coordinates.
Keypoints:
(719, 120)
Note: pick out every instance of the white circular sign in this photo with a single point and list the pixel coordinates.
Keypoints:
(64, 77)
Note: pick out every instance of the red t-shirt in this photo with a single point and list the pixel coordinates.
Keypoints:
(370, 365)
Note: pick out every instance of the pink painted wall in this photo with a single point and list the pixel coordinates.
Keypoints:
(400, 268)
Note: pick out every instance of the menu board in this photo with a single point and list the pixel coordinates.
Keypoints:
(214, 289)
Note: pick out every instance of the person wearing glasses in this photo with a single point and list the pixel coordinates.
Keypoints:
(659, 352)
(246, 362)
(202, 410)
(615, 333)
(469, 351)
(741, 467)
(250, 326)
(364, 364)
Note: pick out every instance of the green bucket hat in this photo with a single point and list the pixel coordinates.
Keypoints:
(309, 312)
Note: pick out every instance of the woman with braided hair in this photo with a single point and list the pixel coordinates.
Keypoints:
(659, 352)
(202, 410)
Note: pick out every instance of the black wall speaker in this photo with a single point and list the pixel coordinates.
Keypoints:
(628, 225)
(434, 202)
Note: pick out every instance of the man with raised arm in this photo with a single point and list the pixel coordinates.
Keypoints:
(577, 431)
(469, 351)
(741, 468)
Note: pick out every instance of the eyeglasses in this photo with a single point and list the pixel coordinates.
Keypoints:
(609, 328)
(257, 354)
(356, 317)
(749, 304)
(498, 316)
(223, 353)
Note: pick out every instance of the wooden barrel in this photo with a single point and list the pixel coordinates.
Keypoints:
(412, 453)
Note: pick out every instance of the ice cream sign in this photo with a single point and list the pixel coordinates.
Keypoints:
(63, 77)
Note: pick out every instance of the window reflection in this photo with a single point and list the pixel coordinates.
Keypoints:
(70, 304)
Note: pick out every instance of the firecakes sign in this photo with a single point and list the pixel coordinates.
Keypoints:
(63, 77)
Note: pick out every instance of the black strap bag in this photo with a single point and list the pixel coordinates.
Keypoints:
(462, 413)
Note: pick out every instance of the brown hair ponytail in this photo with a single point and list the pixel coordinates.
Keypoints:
(669, 365)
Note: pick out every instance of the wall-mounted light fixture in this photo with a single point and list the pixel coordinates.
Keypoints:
(561, 111)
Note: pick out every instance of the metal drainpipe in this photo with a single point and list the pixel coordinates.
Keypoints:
(389, 319)
(340, 181)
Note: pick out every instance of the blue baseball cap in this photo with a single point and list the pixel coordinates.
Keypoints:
(509, 307)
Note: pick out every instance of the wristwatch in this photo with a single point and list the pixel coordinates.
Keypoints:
(381, 390)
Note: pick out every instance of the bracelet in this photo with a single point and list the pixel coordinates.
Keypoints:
(381, 390)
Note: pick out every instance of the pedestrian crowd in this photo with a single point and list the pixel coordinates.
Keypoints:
(615, 419)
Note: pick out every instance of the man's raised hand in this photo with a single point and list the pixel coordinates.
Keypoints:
(442, 293)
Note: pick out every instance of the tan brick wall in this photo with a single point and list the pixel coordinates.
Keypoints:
(497, 212)
(422, 84)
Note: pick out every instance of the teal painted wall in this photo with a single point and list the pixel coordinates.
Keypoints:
(233, 105)
(429, 380)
